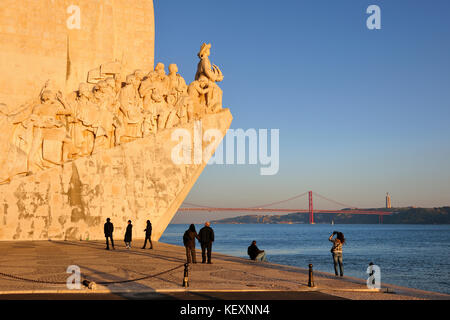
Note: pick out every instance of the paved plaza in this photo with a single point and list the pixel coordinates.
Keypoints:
(38, 269)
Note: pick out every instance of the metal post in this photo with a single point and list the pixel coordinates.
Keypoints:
(311, 276)
(186, 275)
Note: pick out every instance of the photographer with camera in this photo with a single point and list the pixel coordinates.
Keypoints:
(336, 251)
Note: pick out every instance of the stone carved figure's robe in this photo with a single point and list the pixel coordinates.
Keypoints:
(49, 134)
(131, 108)
(181, 99)
(83, 125)
(16, 141)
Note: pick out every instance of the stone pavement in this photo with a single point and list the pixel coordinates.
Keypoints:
(39, 267)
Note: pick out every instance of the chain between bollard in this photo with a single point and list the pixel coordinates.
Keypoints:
(87, 281)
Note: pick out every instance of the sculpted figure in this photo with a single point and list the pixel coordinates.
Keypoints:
(131, 110)
(150, 106)
(212, 74)
(161, 108)
(198, 91)
(49, 133)
(103, 125)
(139, 74)
(106, 104)
(111, 96)
(155, 90)
(119, 83)
(163, 80)
(178, 95)
(15, 142)
(113, 108)
(83, 123)
(166, 110)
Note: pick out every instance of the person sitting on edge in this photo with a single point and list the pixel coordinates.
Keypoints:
(256, 254)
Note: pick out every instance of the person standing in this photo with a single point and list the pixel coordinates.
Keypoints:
(256, 254)
(189, 242)
(148, 235)
(336, 251)
(108, 229)
(128, 235)
(206, 238)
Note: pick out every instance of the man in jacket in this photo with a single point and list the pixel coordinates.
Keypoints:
(189, 242)
(206, 238)
(108, 229)
(256, 254)
(148, 235)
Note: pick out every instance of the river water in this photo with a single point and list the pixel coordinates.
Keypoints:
(415, 256)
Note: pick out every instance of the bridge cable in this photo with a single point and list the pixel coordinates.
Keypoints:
(334, 201)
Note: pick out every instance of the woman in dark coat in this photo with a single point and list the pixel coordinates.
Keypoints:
(128, 234)
(189, 242)
(148, 235)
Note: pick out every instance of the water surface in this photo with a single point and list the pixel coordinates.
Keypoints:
(415, 256)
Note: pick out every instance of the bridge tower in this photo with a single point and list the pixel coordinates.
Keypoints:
(388, 201)
(311, 207)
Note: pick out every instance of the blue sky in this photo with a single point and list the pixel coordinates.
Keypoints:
(360, 112)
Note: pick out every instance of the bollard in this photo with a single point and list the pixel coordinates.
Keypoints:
(311, 276)
(90, 284)
(186, 275)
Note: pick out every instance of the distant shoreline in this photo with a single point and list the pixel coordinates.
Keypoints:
(430, 216)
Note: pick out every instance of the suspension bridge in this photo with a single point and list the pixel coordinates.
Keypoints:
(268, 207)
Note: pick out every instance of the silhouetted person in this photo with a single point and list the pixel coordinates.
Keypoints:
(148, 235)
(336, 251)
(256, 254)
(108, 228)
(128, 235)
(189, 242)
(206, 238)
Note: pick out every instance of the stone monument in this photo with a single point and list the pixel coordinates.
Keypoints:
(88, 124)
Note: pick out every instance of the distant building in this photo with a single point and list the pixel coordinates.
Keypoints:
(388, 201)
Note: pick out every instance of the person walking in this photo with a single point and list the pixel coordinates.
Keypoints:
(189, 242)
(256, 254)
(148, 235)
(206, 238)
(128, 235)
(336, 251)
(108, 229)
